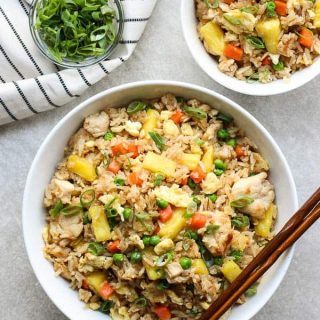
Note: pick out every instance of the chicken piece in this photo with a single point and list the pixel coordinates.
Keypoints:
(260, 163)
(259, 189)
(58, 189)
(90, 262)
(207, 286)
(97, 124)
(66, 227)
(210, 184)
(153, 294)
(85, 295)
(174, 269)
(77, 143)
(219, 241)
(133, 128)
(128, 271)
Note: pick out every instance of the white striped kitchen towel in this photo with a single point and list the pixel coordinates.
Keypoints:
(30, 84)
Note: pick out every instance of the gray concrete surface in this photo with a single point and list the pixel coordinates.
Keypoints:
(293, 120)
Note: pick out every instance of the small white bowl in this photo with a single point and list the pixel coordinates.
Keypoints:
(210, 65)
(51, 152)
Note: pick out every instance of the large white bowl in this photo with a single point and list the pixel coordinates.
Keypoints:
(210, 65)
(51, 152)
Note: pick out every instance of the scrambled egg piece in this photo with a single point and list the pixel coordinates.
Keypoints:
(107, 198)
(211, 183)
(133, 128)
(173, 195)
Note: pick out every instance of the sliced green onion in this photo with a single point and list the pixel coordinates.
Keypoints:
(56, 209)
(71, 210)
(241, 202)
(180, 99)
(226, 118)
(213, 5)
(255, 77)
(256, 42)
(271, 9)
(196, 200)
(85, 218)
(240, 222)
(231, 19)
(192, 185)
(199, 142)
(158, 140)
(191, 209)
(164, 259)
(135, 107)
(106, 306)
(191, 235)
(96, 248)
(195, 113)
(112, 212)
(108, 136)
(87, 198)
(110, 203)
(218, 261)
(236, 254)
(119, 182)
(250, 9)
(212, 228)
(251, 291)
(141, 302)
(279, 66)
(163, 284)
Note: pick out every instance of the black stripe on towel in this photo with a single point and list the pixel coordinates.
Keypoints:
(11, 63)
(84, 78)
(135, 19)
(103, 68)
(8, 111)
(24, 97)
(21, 42)
(24, 7)
(2, 80)
(121, 59)
(44, 93)
(65, 86)
(128, 41)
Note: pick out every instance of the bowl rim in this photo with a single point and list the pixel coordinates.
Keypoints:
(69, 64)
(207, 63)
(28, 186)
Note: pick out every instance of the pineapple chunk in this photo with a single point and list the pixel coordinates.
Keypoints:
(82, 167)
(211, 183)
(230, 270)
(186, 129)
(207, 159)
(263, 227)
(100, 223)
(213, 38)
(172, 227)
(239, 21)
(157, 163)
(154, 273)
(200, 267)
(96, 279)
(269, 30)
(151, 122)
(174, 195)
(316, 19)
(190, 160)
(170, 128)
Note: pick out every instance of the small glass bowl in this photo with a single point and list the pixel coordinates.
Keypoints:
(67, 63)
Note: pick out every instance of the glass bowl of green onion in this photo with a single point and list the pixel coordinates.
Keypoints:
(76, 33)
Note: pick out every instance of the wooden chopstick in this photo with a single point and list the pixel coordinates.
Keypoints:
(289, 234)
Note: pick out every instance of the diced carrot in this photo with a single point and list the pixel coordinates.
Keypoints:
(114, 166)
(156, 230)
(228, 1)
(266, 61)
(85, 285)
(197, 175)
(165, 214)
(233, 52)
(113, 246)
(198, 221)
(281, 8)
(133, 178)
(184, 181)
(133, 148)
(306, 38)
(239, 151)
(105, 291)
(177, 117)
(119, 149)
(163, 312)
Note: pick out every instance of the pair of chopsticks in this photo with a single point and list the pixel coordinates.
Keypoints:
(299, 223)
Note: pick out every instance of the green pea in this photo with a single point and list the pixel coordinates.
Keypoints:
(127, 213)
(119, 181)
(212, 197)
(118, 257)
(185, 263)
(223, 134)
(162, 204)
(232, 142)
(219, 164)
(136, 256)
(154, 240)
(146, 240)
(217, 261)
(218, 172)
(108, 136)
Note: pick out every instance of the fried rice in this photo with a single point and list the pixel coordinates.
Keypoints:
(260, 41)
(156, 208)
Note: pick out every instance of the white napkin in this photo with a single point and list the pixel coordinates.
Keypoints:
(30, 83)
